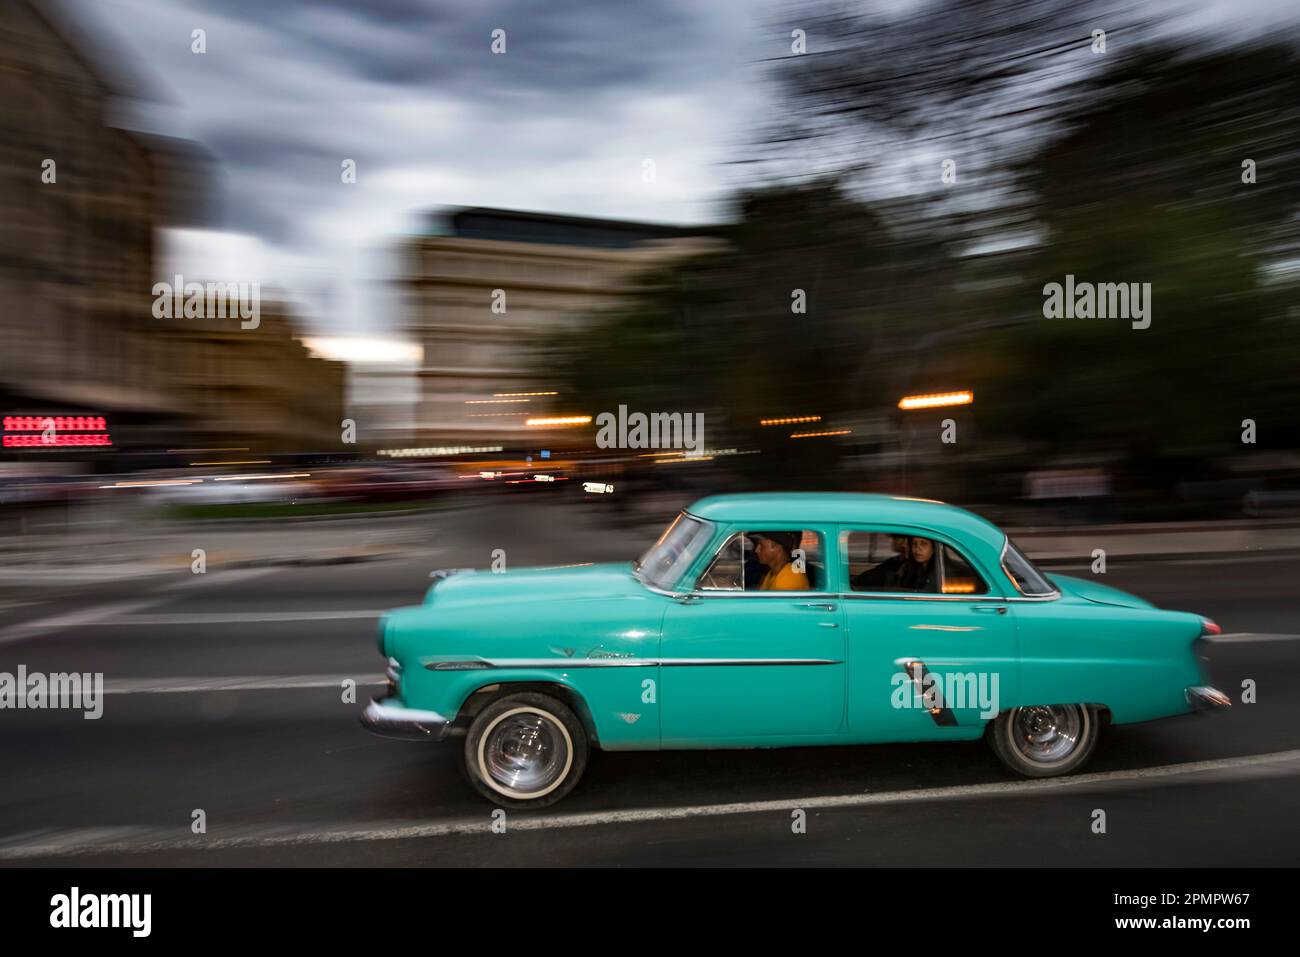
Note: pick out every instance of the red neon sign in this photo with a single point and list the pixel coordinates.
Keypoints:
(55, 441)
(60, 423)
(56, 431)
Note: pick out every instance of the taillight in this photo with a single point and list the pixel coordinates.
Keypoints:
(1210, 627)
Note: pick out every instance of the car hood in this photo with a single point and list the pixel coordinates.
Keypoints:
(1096, 592)
(586, 582)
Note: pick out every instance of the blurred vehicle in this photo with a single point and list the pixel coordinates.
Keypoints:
(388, 484)
(1265, 503)
(228, 490)
(870, 619)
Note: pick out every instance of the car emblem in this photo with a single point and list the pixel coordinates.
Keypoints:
(629, 718)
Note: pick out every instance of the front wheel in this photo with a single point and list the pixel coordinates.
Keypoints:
(1043, 741)
(525, 750)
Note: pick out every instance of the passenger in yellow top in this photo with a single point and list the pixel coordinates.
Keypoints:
(774, 549)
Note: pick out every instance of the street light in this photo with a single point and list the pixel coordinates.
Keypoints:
(557, 421)
(932, 400)
(936, 400)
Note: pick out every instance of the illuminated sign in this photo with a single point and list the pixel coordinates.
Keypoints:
(59, 423)
(56, 441)
(55, 431)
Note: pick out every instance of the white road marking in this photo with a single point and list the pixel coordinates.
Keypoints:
(1120, 559)
(94, 615)
(140, 839)
(228, 617)
(235, 683)
(1245, 637)
(110, 611)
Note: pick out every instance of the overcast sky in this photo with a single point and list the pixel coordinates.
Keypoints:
(409, 89)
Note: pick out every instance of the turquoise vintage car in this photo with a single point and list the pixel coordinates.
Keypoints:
(782, 620)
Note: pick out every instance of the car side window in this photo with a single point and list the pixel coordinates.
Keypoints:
(959, 575)
(892, 562)
(727, 570)
(876, 560)
(767, 560)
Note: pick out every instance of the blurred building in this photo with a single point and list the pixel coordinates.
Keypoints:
(256, 389)
(381, 399)
(484, 283)
(76, 252)
(80, 205)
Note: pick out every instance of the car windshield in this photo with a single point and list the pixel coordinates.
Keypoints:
(676, 549)
(1025, 574)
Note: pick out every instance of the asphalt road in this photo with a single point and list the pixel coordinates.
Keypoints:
(285, 775)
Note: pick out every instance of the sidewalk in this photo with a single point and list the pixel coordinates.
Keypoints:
(1153, 541)
(124, 553)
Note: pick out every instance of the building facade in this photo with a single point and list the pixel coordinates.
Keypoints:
(484, 284)
(81, 202)
(78, 212)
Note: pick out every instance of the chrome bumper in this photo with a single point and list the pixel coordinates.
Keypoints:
(1205, 698)
(388, 717)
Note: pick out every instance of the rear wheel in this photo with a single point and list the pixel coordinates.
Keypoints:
(1043, 741)
(525, 750)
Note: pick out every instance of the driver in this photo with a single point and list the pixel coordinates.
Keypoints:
(774, 550)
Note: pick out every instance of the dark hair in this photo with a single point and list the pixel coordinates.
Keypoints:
(787, 540)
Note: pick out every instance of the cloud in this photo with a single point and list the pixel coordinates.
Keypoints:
(411, 91)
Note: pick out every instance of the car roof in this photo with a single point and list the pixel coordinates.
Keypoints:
(788, 507)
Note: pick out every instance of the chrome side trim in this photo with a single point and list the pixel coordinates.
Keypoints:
(872, 595)
(769, 595)
(923, 596)
(566, 664)
(722, 662)
(1205, 698)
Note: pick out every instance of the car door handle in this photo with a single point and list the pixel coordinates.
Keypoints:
(991, 609)
(820, 606)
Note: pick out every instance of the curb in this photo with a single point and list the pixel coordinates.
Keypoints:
(1113, 557)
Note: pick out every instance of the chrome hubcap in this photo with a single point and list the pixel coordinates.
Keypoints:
(1046, 734)
(525, 753)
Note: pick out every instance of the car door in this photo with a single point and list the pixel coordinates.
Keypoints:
(746, 666)
(933, 664)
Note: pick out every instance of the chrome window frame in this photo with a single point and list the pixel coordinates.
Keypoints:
(696, 592)
(988, 597)
(695, 586)
(672, 590)
(1021, 595)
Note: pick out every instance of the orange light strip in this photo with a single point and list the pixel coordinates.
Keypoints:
(793, 420)
(559, 420)
(817, 435)
(515, 395)
(240, 462)
(154, 484)
(936, 400)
